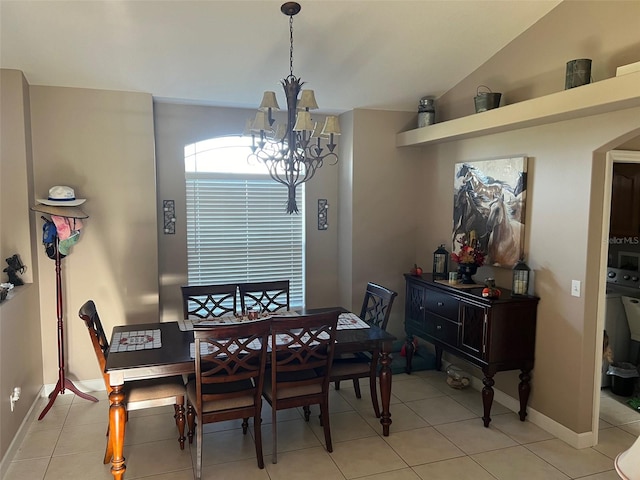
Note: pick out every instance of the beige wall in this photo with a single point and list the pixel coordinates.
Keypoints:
(20, 362)
(100, 143)
(180, 125)
(385, 186)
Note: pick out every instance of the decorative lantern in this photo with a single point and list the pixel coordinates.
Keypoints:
(440, 263)
(520, 284)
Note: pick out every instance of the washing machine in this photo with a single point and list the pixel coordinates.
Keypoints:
(623, 291)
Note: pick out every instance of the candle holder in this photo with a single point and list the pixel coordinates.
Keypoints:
(440, 263)
(520, 285)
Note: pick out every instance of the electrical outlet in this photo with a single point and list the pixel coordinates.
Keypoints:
(575, 288)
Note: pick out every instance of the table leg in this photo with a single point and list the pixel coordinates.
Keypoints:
(385, 388)
(117, 422)
(523, 390)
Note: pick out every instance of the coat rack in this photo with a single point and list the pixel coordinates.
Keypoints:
(63, 382)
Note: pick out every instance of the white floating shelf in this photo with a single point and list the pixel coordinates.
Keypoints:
(615, 93)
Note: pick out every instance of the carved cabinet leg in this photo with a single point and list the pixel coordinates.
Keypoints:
(438, 358)
(409, 351)
(385, 388)
(487, 397)
(524, 388)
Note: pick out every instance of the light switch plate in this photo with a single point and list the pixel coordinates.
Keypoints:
(575, 288)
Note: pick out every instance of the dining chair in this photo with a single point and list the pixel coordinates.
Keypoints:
(376, 309)
(206, 301)
(302, 350)
(230, 368)
(138, 394)
(272, 296)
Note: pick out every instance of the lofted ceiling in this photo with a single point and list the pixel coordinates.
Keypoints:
(377, 54)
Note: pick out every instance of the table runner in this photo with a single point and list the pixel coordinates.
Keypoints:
(345, 320)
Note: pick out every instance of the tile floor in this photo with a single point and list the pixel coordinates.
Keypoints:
(436, 434)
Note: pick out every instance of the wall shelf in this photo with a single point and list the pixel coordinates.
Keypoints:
(615, 93)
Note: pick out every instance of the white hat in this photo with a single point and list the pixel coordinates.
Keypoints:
(62, 196)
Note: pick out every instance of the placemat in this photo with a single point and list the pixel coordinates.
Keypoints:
(459, 285)
(135, 340)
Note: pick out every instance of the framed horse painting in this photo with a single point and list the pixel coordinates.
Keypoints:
(489, 208)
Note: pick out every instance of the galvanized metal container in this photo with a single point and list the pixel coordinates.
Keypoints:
(578, 73)
(486, 100)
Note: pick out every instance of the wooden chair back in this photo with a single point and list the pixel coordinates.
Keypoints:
(302, 351)
(207, 301)
(230, 367)
(229, 354)
(89, 314)
(269, 296)
(377, 304)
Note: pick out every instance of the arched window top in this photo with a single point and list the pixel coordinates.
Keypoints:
(222, 155)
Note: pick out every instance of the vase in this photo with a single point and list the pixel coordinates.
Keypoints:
(466, 272)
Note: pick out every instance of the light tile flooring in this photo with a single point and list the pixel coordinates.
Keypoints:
(436, 434)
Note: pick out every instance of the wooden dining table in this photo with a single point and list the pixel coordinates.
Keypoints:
(173, 357)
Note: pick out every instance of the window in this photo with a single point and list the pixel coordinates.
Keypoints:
(237, 226)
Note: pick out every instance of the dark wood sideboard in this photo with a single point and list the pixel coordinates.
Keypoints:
(495, 335)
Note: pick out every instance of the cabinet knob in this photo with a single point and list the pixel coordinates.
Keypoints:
(438, 327)
(440, 304)
(421, 307)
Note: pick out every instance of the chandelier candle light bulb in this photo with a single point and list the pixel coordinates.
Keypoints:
(293, 152)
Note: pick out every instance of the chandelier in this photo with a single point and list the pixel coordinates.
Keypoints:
(292, 152)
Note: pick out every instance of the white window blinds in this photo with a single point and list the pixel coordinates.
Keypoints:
(238, 231)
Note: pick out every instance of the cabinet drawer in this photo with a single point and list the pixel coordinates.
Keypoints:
(441, 304)
(444, 330)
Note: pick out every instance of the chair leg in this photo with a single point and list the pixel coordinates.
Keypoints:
(373, 380)
(191, 421)
(324, 411)
(108, 452)
(199, 452)
(356, 387)
(257, 427)
(337, 384)
(274, 435)
(180, 421)
(307, 412)
(374, 395)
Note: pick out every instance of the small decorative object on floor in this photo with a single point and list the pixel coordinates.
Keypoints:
(457, 378)
(469, 258)
(490, 290)
(15, 267)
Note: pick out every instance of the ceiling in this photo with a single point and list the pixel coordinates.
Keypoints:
(355, 54)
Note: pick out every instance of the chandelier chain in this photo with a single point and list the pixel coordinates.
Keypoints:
(291, 45)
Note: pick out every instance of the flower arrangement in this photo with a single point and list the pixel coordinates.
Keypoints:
(469, 254)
